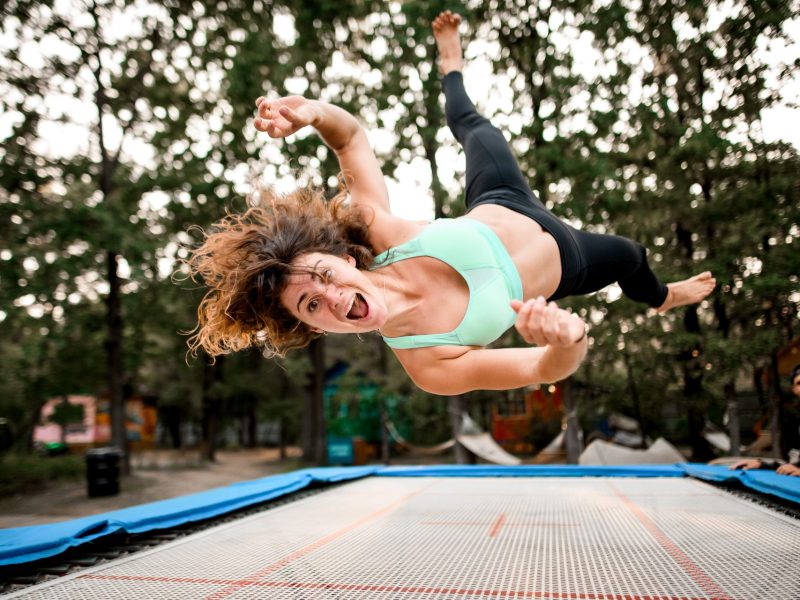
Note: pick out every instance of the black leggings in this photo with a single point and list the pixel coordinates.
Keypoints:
(589, 261)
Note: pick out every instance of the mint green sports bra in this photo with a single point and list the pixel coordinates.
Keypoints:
(476, 253)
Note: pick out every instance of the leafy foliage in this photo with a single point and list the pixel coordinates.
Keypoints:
(642, 119)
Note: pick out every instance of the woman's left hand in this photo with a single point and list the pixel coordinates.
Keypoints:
(545, 324)
(283, 117)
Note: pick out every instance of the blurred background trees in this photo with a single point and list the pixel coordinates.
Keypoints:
(125, 123)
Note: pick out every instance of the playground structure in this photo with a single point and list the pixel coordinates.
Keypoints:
(358, 416)
(94, 429)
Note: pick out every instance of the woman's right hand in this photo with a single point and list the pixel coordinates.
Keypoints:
(545, 324)
(284, 116)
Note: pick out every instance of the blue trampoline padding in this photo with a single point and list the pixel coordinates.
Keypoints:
(533, 471)
(760, 480)
(26, 544)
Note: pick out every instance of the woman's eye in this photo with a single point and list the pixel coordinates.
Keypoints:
(312, 305)
(327, 275)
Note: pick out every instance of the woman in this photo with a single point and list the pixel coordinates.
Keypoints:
(295, 267)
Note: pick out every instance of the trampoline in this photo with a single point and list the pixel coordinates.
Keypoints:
(446, 537)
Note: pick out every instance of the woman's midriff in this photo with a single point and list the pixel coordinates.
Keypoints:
(533, 250)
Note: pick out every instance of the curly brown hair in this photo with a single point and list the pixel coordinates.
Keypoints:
(245, 261)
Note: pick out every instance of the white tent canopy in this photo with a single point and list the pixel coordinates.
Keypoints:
(480, 443)
(606, 453)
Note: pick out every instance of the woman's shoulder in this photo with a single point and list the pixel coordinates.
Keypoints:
(392, 232)
(431, 234)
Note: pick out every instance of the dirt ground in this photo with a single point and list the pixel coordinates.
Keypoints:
(156, 475)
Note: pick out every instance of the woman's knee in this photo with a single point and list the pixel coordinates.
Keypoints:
(625, 251)
(642, 285)
(599, 248)
(638, 253)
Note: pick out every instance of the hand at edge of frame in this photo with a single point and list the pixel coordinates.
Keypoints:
(789, 469)
(746, 464)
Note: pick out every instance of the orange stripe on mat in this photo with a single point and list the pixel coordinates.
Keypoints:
(400, 589)
(251, 579)
(497, 525)
(506, 524)
(691, 568)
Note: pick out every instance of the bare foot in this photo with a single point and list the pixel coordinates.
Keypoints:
(688, 291)
(445, 30)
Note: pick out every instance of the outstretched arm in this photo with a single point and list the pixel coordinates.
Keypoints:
(450, 370)
(498, 369)
(284, 116)
(344, 135)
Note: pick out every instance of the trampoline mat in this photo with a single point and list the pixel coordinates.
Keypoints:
(431, 538)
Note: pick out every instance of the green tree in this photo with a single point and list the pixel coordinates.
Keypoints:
(694, 178)
(80, 207)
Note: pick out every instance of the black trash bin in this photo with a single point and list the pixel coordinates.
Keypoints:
(102, 471)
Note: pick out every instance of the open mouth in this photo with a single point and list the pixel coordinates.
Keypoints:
(359, 309)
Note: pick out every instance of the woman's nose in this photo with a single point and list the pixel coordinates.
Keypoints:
(333, 294)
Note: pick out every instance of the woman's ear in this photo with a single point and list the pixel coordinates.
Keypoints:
(316, 330)
(350, 259)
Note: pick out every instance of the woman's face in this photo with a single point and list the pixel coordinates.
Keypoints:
(330, 294)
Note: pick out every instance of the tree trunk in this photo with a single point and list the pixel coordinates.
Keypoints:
(459, 405)
(383, 367)
(251, 432)
(212, 373)
(385, 455)
(637, 406)
(36, 393)
(693, 391)
(701, 452)
(731, 403)
(35, 415)
(257, 364)
(314, 449)
(761, 393)
(64, 400)
(116, 397)
(174, 430)
(774, 394)
(282, 437)
(732, 410)
(572, 435)
(285, 390)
